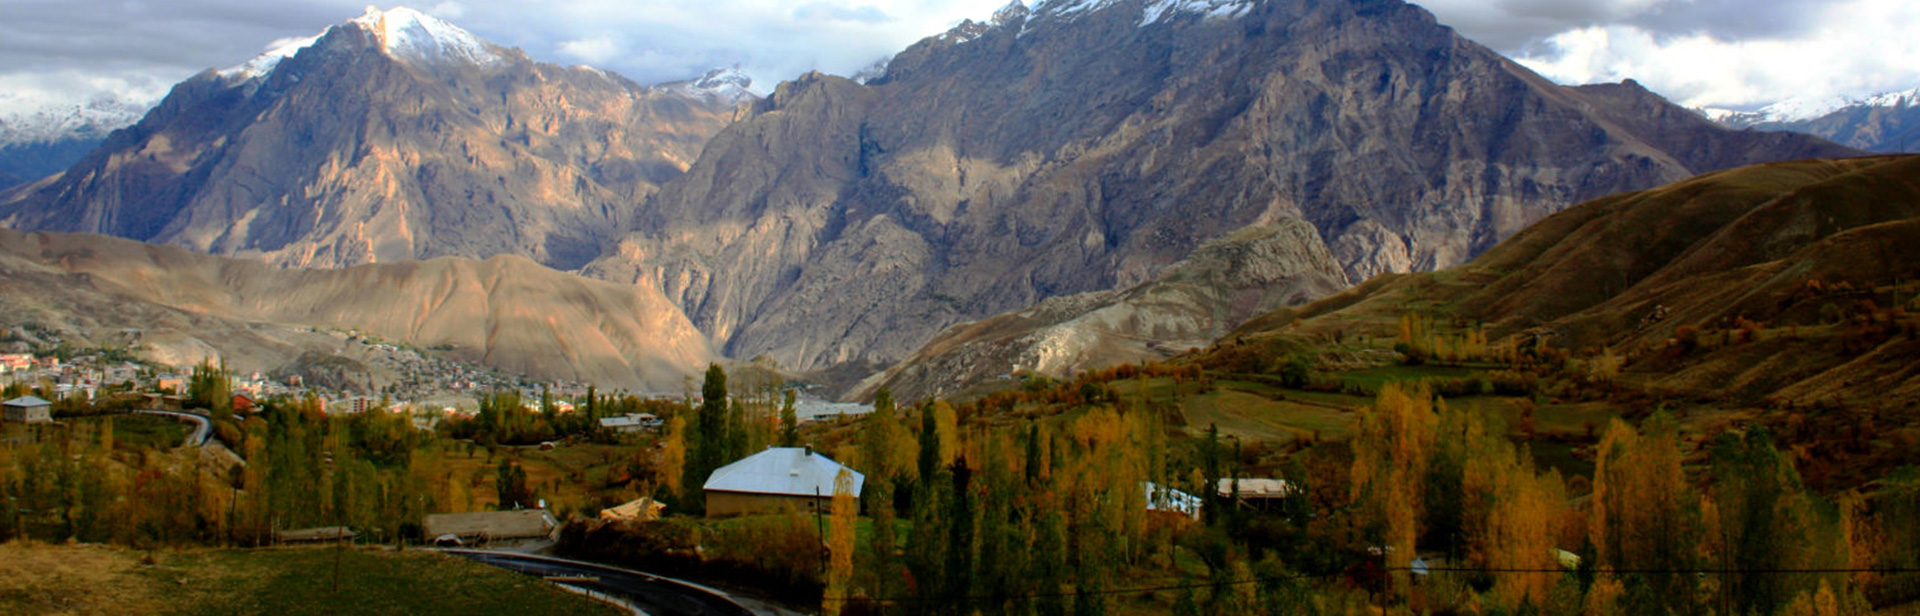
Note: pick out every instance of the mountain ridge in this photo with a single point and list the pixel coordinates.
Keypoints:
(393, 136)
(1080, 147)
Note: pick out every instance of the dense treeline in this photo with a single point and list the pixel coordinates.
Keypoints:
(1045, 516)
(297, 468)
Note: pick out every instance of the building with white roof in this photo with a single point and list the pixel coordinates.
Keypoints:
(778, 479)
(29, 409)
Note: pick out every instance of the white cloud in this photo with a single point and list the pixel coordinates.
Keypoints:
(591, 51)
(451, 11)
(1850, 48)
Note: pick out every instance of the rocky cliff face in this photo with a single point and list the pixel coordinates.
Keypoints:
(1189, 305)
(394, 136)
(1088, 144)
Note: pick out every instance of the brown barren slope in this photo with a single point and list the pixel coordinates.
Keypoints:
(506, 312)
(1823, 254)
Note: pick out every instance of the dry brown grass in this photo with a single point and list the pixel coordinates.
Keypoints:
(91, 579)
(75, 580)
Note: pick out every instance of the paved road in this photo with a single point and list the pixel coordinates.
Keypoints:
(202, 431)
(656, 595)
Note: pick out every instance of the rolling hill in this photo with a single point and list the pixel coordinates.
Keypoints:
(1777, 285)
(506, 312)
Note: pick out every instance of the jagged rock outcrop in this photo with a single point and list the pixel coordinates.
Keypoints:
(1088, 144)
(1189, 305)
(394, 136)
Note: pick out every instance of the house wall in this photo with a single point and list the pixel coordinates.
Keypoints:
(31, 414)
(723, 504)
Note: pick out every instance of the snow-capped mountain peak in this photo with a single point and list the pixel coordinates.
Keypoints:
(728, 85)
(1812, 108)
(412, 35)
(402, 33)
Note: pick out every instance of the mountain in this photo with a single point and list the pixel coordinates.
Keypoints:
(1888, 122)
(1814, 256)
(394, 136)
(46, 141)
(1189, 304)
(506, 312)
(1087, 145)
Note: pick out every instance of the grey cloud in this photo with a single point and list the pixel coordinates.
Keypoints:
(826, 12)
(1732, 19)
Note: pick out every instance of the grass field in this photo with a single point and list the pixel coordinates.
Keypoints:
(86, 579)
(570, 477)
(147, 431)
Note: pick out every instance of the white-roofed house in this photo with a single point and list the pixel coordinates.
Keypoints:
(778, 479)
(29, 409)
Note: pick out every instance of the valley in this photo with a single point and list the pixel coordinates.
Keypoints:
(1092, 307)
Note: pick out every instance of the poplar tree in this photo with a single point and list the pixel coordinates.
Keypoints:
(789, 422)
(1393, 444)
(709, 438)
(846, 508)
(1645, 515)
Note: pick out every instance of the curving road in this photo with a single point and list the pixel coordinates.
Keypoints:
(657, 596)
(202, 431)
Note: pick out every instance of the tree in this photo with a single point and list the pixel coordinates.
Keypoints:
(673, 454)
(846, 508)
(1769, 521)
(1645, 514)
(709, 437)
(210, 388)
(789, 422)
(511, 485)
(883, 544)
(886, 448)
(1393, 444)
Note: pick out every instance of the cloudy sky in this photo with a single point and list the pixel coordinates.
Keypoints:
(1724, 53)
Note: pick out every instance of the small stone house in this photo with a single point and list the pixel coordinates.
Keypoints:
(29, 409)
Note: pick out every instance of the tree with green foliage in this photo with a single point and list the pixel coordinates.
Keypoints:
(789, 421)
(211, 387)
(1769, 521)
(510, 483)
(711, 438)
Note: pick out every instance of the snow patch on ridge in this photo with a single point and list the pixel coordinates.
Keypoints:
(260, 65)
(94, 118)
(1208, 9)
(1154, 12)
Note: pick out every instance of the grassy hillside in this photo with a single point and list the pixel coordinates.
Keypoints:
(1815, 255)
